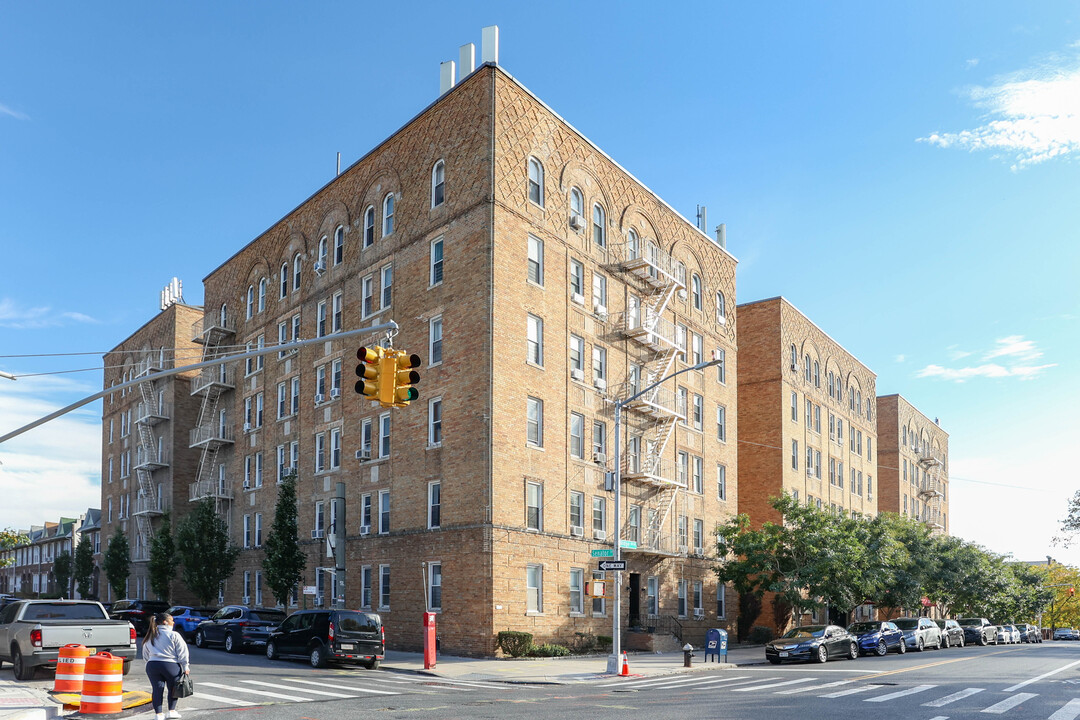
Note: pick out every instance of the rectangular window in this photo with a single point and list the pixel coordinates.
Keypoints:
(577, 436)
(577, 510)
(683, 533)
(258, 530)
(535, 340)
(337, 309)
(384, 587)
(434, 505)
(809, 461)
(633, 523)
(577, 281)
(698, 412)
(367, 296)
(683, 468)
(809, 413)
(697, 349)
(320, 383)
(599, 435)
(365, 586)
(320, 452)
(721, 423)
(435, 341)
(721, 482)
(599, 363)
(247, 531)
(697, 473)
(598, 603)
(435, 422)
(335, 376)
(577, 591)
(721, 600)
(534, 422)
(817, 418)
(384, 435)
(599, 288)
(534, 506)
(699, 536)
(335, 448)
(577, 354)
(652, 588)
(434, 587)
(365, 435)
(536, 260)
(258, 469)
(282, 401)
(599, 518)
(721, 366)
(384, 512)
(365, 513)
(817, 464)
(682, 598)
(294, 396)
(534, 588)
(387, 285)
(436, 261)
(794, 407)
(320, 320)
(282, 468)
(794, 454)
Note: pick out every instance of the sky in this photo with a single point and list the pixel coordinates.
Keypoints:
(908, 177)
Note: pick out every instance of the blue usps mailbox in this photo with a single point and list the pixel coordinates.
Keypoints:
(716, 644)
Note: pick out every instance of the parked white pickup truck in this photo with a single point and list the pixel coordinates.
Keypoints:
(33, 631)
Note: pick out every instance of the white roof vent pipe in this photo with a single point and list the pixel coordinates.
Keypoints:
(489, 44)
(447, 77)
(466, 60)
(721, 235)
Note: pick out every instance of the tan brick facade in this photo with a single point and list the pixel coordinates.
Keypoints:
(914, 463)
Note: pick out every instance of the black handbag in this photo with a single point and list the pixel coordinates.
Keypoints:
(185, 688)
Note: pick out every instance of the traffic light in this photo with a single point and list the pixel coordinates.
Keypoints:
(405, 377)
(1072, 591)
(369, 371)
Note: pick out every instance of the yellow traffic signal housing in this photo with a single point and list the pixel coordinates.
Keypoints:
(405, 377)
(387, 375)
(370, 371)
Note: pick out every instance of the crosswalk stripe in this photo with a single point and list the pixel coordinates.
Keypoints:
(341, 687)
(1068, 711)
(286, 687)
(686, 682)
(1008, 703)
(814, 687)
(265, 693)
(633, 683)
(900, 693)
(940, 717)
(466, 683)
(851, 691)
(953, 698)
(217, 698)
(776, 684)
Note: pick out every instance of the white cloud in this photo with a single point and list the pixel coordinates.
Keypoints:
(901, 358)
(991, 370)
(5, 110)
(972, 62)
(1014, 345)
(1031, 116)
(956, 354)
(17, 317)
(1014, 355)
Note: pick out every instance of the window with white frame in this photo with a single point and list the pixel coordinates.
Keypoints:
(721, 482)
(384, 512)
(369, 226)
(320, 452)
(434, 504)
(577, 280)
(365, 513)
(284, 281)
(435, 332)
(250, 301)
(534, 422)
(599, 438)
(365, 435)
(599, 604)
(721, 366)
(320, 319)
(577, 591)
(534, 506)
(436, 270)
(699, 607)
(698, 411)
(387, 285)
(320, 383)
(534, 588)
(577, 353)
(388, 214)
(384, 587)
(599, 225)
(247, 531)
(365, 586)
(262, 294)
(697, 472)
(577, 510)
(337, 308)
(438, 184)
(335, 448)
(682, 528)
(335, 376)
(339, 244)
(599, 363)
(294, 396)
(535, 261)
(652, 589)
(682, 598)
(695, 291)
(435, 422)
(434, 587)
(258, 530)
(577, 436)
(577, 203)
(599, 291)
(536, 182)
(323, 250)
(298, 265)
(534, 340)
(367, 296)
(697, 349)
(721, 600)
(384, 435)
(721, 308)
(794, 454)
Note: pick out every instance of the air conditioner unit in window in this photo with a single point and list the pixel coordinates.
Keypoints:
(699, 551)
(600, 383)
(599, 458)
(682, 293)
(335, 392)
(363, 455)
(247, 427)
(599, 535)
(682, 549)
(577, 298)
(577, 531)
(318, 534)
(246, 600)
(247, 484)
(320, 267)
(699, 614)
(319, 397)
(577, 223)
(577, 374)
(365, 529)
(794, 367)
(319, 600)
(598, 307)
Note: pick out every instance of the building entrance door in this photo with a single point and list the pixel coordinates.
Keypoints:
(635, 599)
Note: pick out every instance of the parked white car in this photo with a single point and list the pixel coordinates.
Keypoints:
(1004, 637)
(919, 633)
(1014, 633)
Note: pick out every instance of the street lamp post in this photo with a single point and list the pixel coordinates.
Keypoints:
(616, 639)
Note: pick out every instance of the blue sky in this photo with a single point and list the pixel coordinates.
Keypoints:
(908, 177)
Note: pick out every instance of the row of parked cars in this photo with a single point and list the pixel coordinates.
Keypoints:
(320, 636)
(819, 643)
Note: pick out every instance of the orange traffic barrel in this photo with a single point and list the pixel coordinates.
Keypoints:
(103, 685)
(69, 668)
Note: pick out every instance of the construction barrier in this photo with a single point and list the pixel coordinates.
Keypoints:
(103, 685)
(70, 665)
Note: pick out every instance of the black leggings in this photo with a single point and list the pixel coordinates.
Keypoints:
(163, 675)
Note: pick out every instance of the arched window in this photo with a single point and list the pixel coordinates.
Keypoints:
(297, 265)
(832, 384)
(794, 358)
(284, 279)
(223, 315)
(806, 367)
(817, 374)
(695, 291)
(339, 244)
(369, 226)
(438, 184)
(536, 181)
(598, 226)
(322, 252)
(388, 214)
(633, 245)
(250, 301)
(721, 307)
(577, 204)
(262, 294)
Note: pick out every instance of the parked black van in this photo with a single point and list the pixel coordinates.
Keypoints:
(330, 636)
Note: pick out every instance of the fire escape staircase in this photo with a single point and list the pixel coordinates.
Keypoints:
(932, 487)
(148, 456)
(211, 434)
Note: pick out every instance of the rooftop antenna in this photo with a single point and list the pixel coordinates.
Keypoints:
(701, 222)
(721, 235)
(339, 163)
(172, 293)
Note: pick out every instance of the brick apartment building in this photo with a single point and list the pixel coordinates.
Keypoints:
(538, 281)
(27, 569)
(913, 463)
(147, 466)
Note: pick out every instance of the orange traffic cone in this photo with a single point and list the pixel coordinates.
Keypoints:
(625, 666)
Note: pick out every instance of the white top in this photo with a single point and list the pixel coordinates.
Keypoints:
(168, 646)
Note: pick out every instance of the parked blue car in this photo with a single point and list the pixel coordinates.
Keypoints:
(187, 618)
(878, 638)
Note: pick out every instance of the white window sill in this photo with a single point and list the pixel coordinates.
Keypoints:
(433, 446)
(531, 446)
(577, 615)
(534, 364)
(534, 613)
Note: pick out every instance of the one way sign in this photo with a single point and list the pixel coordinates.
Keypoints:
(606, 565)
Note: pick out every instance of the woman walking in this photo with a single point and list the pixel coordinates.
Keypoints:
(166, 656)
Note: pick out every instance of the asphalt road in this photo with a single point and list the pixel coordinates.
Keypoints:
(1022, 682)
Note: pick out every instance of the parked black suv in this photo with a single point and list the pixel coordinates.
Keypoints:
(330, 636)
(238, 627)
(137, 612)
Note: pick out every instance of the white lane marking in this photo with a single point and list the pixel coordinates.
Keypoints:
(900, 693)
(1008, 703)
(340, 687)
(851, 691)
(689, 682)
(953, 698)
(633, 683)
(814, 687)
(1040, 677)
(940, 717)
(470, 683)
(776, 684)
(266, 693)
(217, 698)
(286, 687)
(707, 684)
(1068, 711)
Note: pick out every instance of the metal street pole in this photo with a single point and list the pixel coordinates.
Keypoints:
(616, 639)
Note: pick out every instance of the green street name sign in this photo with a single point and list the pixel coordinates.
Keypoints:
(628, 544)
(603, 552)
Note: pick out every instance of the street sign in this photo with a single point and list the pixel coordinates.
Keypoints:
(310, 590)
(606, 565)
(629, 544)
(603, 552)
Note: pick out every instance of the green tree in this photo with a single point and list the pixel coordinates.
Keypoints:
(8, 539)
(906, 579)
(117, 563)
(163, 560)
(84, 566)
(62, 573)
(1070, 525)
(207, 556)
(1064, 609)
(285, 561)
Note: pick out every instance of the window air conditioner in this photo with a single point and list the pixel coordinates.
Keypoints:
(699, 551)
(598, 308)
(247, 484)
(363, 455)
(577, 374)
(246, 600)
(365, 529)
(699, 614)
(335, 392)
(320, 267)
(600, 383)
(319, 397)
(577, 223)
(599, 535)
(318, 600)
(577, 531)
(599, 458)
(247, 427)
(577, 298)
(682, 293)
(317, 534)
(794, 367)
(682, 549)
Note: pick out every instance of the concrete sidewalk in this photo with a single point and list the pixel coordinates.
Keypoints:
(565, 670)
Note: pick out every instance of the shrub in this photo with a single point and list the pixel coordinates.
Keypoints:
(549, 650)
(603, 641)
(514, 643)
(759, 635)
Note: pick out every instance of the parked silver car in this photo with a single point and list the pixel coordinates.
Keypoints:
(919, 633)
(1004, 635)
